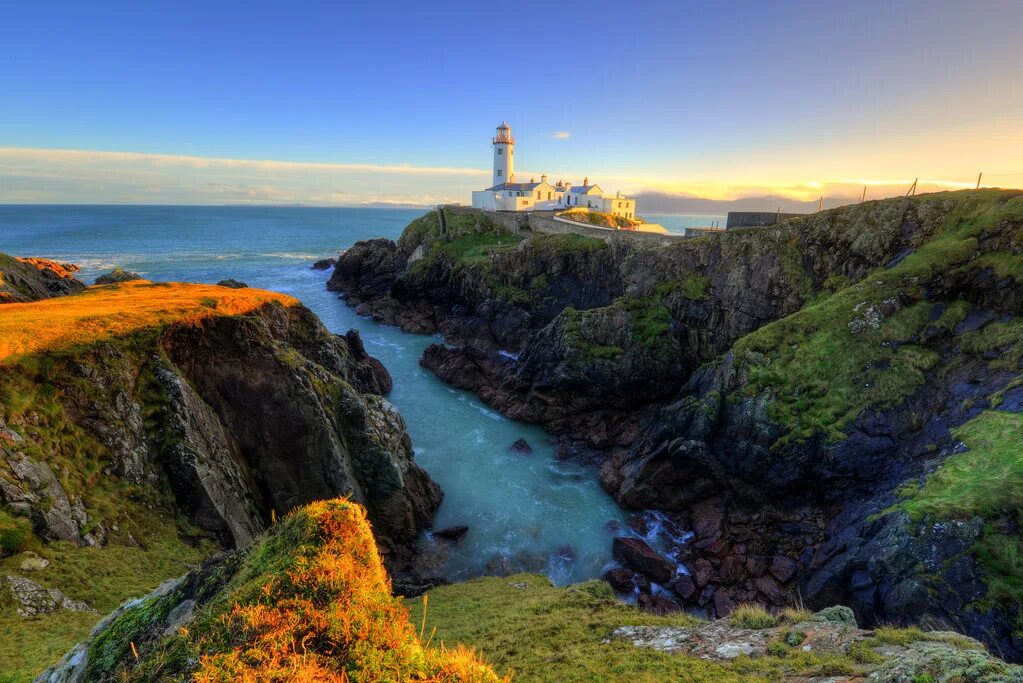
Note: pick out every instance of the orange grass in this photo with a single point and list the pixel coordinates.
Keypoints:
(329, 617)
(109, 311)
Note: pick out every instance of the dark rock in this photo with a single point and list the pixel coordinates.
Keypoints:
(757, 565)
(621, 579)
(656, 604)
(324, 264)
(452, 533)
(782, 568)
(613, 526)
(638, 556)
(702, 572)
(522, 446)
(232, 283)
(723, 605)
(639, 524)
(733, 568)
(117, 275)
(684, 587)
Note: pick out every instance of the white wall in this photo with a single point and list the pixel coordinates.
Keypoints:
(504, 161)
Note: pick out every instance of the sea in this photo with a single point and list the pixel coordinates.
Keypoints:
(532, 512)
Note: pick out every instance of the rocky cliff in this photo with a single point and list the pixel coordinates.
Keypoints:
(28, 279)
(151, 422)
(830, 404)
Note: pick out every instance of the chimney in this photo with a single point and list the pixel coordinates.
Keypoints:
(586, 181)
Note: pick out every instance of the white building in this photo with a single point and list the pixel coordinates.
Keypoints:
(505, 194)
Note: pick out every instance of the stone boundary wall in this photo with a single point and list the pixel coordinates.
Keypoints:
(546, 222)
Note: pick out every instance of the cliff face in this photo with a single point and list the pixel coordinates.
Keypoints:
(139, 421)
(28, 279)
(238, 416)
(808, 397)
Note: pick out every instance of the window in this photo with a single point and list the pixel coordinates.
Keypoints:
(500, 173)
(549, 195)
(538, 194)
(500, 151)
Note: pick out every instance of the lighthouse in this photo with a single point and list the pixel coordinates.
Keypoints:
(504, 152)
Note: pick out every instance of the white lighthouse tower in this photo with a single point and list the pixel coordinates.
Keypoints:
(504, 155)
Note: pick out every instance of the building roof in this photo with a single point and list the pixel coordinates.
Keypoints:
(515, 186)
(582, 189)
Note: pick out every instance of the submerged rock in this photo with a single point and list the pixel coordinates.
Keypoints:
(452, 533)
(522, 446)
(324, 264)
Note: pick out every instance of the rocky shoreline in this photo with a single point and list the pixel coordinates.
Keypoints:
(774, 390)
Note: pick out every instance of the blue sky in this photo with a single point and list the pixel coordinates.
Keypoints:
(712, 99)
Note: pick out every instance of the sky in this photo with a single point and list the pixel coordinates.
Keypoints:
(339, 103)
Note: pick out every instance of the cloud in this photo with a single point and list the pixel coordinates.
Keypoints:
(561, 135)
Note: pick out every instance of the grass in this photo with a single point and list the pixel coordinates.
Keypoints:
(749, 615)
(985, 480)
(648, 327)
(110, 311)
(310, 603)
(821, 375)
(103, 577)
(528, 628)
(1005, 337)
(478, 247)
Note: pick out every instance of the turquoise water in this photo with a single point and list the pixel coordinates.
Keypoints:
(524, 512)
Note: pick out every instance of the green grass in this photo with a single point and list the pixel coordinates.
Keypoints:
(692, 287)
(477, 248)
(102, 577)
(752, 616)
(1006, 337)
(986, 480)
(649, 327)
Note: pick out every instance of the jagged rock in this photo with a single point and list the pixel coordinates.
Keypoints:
(621, 579)
(232, 284)
(324, 264)
(29, 279)
(839, 614)
(32, 599)
(638, 556)
(684, 587)
(522, 446)
(657, 604)
(117, 275)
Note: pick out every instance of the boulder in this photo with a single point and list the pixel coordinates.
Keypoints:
(656, 604)
(783, 568)
(117, 275)
(31, 599)
(684, 587)
(232, 284)
(621, 579)
(635, 554)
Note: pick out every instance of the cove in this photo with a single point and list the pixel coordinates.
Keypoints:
(524, 512)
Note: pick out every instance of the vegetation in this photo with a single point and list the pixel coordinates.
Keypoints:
(648, 326)
(986, 481)
(692, 287)
(821, 372)
(103, 577)
(599, 218)
(110, 311)
(476, 248)
(749, 615)
(311, 602)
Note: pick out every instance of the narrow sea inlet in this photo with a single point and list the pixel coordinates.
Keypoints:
(524, 512)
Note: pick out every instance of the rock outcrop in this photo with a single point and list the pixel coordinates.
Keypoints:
(228, 419)
(283, 611)
(117, 275)
(28, 279)
(787, 392)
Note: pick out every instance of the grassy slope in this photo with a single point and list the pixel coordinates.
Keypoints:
(310, 602)
(533, 631)
(148, 545)
(106, 312)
